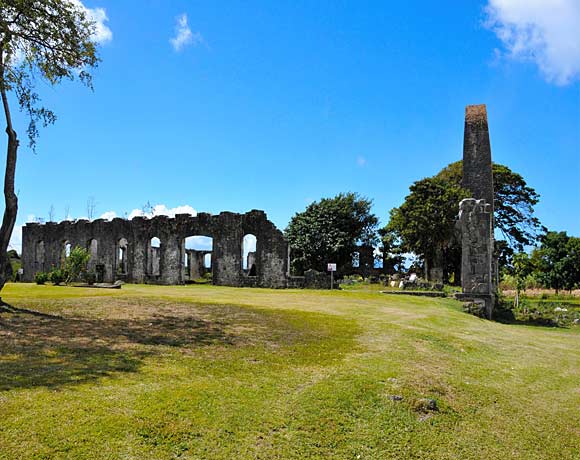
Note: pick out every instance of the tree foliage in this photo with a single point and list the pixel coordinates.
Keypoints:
(393, 256)
(330, 230)
(557, 261)
(425, 223)
(76, 263)
(48, 40)
(522, 268)
(513, 203)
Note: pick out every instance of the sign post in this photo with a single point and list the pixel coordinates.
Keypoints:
(331, 268)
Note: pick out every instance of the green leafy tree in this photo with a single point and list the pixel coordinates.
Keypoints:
(425, 223)
(513, 203)
(558, 261)
(393, 257)
(505, 257)
(330, 230)
(50, 40)
(522, 268)
(573, 263)
(76, 264)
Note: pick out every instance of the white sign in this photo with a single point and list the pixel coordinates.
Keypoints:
(331, 267)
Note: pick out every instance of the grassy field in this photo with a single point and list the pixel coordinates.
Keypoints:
(204, 372)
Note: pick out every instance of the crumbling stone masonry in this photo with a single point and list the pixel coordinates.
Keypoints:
(123, 250)
(477, 166)
(476, 214)
(475, 217)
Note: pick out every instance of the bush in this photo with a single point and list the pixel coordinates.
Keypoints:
(90, 278)
(57, 276)
(547, 313)
(41, 278)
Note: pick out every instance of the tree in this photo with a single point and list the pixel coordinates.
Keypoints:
(76, 264)
(393, 257)
(49, 39)
(522, 268)
(425, 222)
(91, 207)
(558, 261)
(505, 257)
(572, 263)
(513, 203)
(51, 214)
(330, 230)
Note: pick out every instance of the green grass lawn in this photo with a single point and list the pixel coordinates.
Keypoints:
(205, 372)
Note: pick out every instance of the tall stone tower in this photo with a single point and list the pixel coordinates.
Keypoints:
(477, 172)
(476, 214)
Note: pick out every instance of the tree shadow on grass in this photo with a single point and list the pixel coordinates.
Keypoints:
(38, 349)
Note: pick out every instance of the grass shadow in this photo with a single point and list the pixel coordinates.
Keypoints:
(38, 349)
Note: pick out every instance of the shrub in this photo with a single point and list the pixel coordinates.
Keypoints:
(90, 278)
(547, 313)
(57, 276)
(41, 278)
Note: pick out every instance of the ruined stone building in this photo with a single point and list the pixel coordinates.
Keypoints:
(154, 250)
(476, 213)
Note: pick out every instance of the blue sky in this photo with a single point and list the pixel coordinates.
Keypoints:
(244, 105)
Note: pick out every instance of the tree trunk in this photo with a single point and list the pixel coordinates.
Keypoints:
(10, 198)
(11, 202)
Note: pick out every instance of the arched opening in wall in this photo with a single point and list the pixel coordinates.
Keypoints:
(249, 263)
(39, 256)
(122, 261)
(154, 257)
(93, 247)
(66, 249)
(197, 251)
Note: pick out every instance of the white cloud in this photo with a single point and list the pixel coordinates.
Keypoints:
(162, 210)
(102, 33)
(545, 32)
(183, 35)
(16, 239)
(109, 215)
(361, 161)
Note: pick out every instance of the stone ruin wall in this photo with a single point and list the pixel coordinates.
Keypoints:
(475, 219)
(43, 247)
